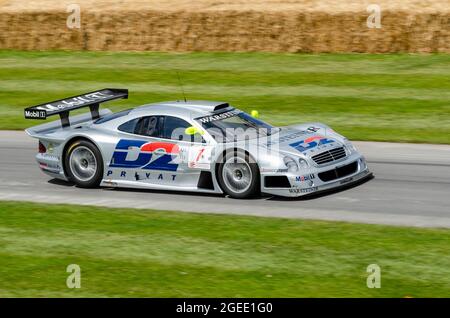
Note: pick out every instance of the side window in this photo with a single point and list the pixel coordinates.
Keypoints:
(150, 126)
(167, 127)
(129, 126)
(174, 128)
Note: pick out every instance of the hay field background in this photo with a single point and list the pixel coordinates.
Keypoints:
(232, 25)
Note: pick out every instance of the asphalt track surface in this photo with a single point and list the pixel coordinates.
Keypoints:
(411, 188)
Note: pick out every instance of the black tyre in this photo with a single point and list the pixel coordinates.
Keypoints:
(238, 176)
(84, 164)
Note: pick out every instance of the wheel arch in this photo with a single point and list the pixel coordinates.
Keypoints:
(222, 155)
(68, 143)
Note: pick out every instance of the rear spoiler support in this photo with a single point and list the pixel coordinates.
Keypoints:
(64, 116)
(94, 111)
(64, 106)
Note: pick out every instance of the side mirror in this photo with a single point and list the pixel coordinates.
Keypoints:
(254, 113)
(193, 130)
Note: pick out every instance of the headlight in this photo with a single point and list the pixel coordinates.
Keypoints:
(303, 163)
(350, 146)
(290, 164)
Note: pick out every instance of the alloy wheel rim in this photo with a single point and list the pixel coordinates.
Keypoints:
(83, 163)
(237, 174)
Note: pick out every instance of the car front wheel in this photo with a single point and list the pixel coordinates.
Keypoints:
(238, 175)
(84, 164)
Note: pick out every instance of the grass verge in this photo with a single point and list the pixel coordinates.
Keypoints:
(398, 97)
(130, 253)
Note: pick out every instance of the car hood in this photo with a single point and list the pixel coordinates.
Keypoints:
(303, 140)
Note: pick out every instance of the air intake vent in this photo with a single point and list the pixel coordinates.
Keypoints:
(276, 182)
(205, 181)
(329, 156)
(221, 106)
(338, 172)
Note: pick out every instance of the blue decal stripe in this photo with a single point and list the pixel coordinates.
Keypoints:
(143, 161)
(124, 144)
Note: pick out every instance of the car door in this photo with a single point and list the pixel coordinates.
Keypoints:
(141, 155)
(193, 153)
(155, 150)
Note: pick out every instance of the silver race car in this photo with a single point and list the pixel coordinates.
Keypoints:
(200, 146)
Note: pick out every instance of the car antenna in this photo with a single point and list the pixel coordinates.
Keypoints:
(181, 86)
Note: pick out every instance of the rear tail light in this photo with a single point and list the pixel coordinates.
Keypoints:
(42, 148)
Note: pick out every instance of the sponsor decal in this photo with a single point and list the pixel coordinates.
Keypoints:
(47, 156)
(37, 114)
(313, 129)
(310, 143)
(199, 165)
(286, 138)
(183, 154)
(199, 161)
(151, 155)
(305, 178)
(199, 155)
(289, 137)
(304, 190)
(220, 116)
(140, 175)
(148, 176)
(76, 101)
(274, 170)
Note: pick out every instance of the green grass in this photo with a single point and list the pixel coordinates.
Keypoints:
(151, 253)
(398, 97)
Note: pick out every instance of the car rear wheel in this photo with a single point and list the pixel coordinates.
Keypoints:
(84, 164)
(238, 176)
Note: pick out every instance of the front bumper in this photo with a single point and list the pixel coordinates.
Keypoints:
(310, 182)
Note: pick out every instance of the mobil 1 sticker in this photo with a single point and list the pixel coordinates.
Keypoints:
(36, 114)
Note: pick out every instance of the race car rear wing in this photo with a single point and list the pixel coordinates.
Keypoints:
(62, 107)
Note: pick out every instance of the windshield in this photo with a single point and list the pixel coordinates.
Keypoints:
(235, 125)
